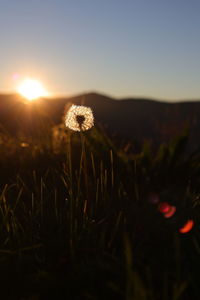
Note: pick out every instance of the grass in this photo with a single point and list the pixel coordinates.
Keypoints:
(77, 222)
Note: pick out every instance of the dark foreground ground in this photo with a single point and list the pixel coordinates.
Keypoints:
(81, 219)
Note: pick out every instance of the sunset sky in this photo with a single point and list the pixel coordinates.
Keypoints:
(122, 48)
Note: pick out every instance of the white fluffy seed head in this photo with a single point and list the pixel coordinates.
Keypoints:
(79, 118)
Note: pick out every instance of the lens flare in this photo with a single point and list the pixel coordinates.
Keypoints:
(187, 226)
(170, 212)
(164, 207)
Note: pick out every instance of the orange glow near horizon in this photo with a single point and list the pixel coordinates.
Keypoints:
(31, 89)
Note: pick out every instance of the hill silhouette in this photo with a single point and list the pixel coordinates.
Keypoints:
(129, 119)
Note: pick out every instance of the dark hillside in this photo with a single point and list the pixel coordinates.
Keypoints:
(132, 119)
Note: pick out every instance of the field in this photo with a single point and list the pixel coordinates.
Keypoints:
(80, 218)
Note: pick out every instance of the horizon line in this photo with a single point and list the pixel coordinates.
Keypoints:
(107, 95)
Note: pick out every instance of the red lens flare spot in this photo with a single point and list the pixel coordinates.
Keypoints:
(170, 212)
(164, 207)
(187, 226)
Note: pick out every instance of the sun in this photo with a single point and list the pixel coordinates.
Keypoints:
(31, 89)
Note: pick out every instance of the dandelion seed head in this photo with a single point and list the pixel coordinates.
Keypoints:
(79, 118)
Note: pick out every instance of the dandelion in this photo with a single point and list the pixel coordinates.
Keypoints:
(79, 118)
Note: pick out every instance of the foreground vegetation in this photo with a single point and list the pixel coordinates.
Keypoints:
(80, 219)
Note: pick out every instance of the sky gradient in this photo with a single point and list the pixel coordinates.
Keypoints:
(145, 48)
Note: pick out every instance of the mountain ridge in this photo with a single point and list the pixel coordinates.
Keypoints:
(136, 119)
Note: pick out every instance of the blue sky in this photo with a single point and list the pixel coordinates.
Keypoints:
(123, 48)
